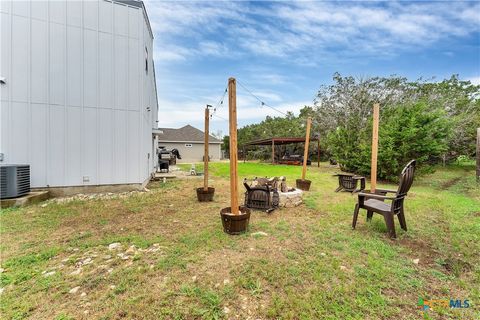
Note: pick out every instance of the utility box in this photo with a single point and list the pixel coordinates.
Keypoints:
(14, 180)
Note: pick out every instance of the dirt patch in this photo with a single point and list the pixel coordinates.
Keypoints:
(456, 265)
(420, 250)
(446, 185)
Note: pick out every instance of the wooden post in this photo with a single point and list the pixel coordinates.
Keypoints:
(318, 146)
(273, 151)
(478, 155)
(206, 154)
(305, 152)
(232, 112)
(373, 168)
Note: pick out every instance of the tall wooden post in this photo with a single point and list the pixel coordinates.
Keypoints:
(273, 151)
(305, 152)
(206, 154)
(318, 155)
(373, 168)
(232, 112)
(478, 155)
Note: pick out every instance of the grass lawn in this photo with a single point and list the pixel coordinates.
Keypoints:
(173, 260)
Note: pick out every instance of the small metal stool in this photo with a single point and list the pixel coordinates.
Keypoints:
(348, 182)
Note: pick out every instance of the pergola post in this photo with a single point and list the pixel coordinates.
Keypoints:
(373, 168)
(478, 155)
(318, 146)
(273, 151)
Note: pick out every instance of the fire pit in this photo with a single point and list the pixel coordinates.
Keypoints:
(270, 193)
(291, 198)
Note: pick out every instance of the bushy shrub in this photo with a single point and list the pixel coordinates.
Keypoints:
(430, 121)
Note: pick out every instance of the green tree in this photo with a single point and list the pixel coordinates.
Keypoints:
(423, 119)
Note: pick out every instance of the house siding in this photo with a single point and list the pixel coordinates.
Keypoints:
(194, 153)
(77, 103)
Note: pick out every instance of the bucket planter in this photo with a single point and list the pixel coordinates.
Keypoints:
(303, 184)
(235, 223)
(205, 195)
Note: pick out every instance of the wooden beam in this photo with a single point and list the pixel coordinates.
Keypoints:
(206, 154)
(232, 112)
(305, 152)
(478, 155)
(373, 168)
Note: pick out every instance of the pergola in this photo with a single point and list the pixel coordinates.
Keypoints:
(279, 141)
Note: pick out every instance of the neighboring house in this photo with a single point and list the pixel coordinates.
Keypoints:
(78, 93)
(190, 143)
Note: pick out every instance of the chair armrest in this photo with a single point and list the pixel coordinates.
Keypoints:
(374, 196)
(385, 191)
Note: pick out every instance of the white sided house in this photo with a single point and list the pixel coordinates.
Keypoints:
(189, 141)
(78, 93)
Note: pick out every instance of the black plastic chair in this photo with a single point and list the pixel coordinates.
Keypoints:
(375, 202)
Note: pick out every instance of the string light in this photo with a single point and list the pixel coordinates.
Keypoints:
(261, 102)
(219, 104)
(216, 115)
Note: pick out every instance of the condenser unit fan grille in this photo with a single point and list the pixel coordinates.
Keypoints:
(15, 180)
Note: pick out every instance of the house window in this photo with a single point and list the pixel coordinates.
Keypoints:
(188, 145)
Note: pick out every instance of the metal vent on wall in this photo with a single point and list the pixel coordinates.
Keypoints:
(14, 180)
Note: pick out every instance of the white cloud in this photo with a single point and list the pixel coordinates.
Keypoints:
(175, 114)
(169, 55)
(474, 80)
(285, 33)
(284, 29)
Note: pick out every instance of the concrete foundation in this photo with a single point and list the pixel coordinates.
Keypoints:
(114, 188)
(32, 197)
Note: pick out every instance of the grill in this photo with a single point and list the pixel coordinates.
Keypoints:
(170, 155)
(263, 196)
(163, 165)
(14, 180)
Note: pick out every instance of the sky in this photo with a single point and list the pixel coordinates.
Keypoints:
(283, 51)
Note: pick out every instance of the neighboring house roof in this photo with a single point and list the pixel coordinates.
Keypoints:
(184, 134)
